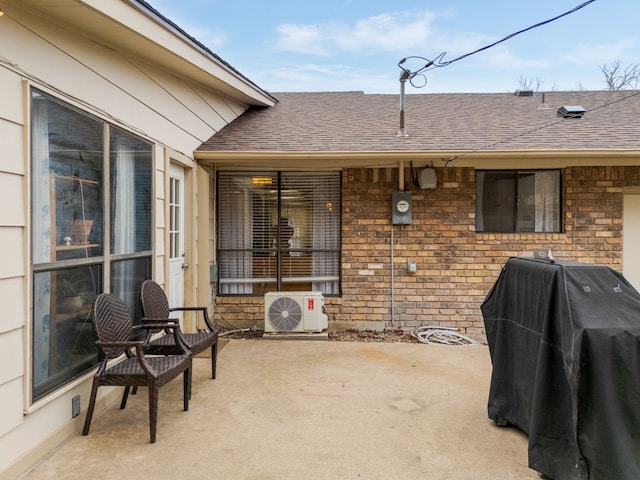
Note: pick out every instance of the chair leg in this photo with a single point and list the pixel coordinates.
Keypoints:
(125, 396)
(186, 388)
(153, 411)
(92, 403)
(214, 359)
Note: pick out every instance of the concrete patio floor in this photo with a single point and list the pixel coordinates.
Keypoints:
(309, 410)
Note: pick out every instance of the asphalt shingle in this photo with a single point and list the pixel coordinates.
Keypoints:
(359, 122)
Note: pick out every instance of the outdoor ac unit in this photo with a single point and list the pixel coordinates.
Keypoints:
(294, 312)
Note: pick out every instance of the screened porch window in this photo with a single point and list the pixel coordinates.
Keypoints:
(91, 198)
(518, 201)
(278, 231)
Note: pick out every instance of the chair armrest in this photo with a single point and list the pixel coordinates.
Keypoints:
(128, 344)
(186, 309)
(169, 325)
(205, 315)
(160, 319)
(156, 323)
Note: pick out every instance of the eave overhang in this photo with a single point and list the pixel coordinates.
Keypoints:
(312, 160)
(135, 28)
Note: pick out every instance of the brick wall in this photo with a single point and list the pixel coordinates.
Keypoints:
(456, 266)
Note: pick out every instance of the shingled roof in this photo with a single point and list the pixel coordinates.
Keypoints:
(452, 122)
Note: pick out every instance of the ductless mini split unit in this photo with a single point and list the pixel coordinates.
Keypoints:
(290, 312)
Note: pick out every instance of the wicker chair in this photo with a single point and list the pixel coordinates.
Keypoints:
(114, 332)
(156, 306)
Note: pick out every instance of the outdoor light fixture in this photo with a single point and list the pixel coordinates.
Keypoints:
(1, 12)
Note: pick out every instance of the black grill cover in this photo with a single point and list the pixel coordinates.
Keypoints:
(564, 340)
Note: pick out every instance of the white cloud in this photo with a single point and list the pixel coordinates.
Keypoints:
(306, 39)
(391, 32)
(502, 57)
(600, 53)
(315, 78)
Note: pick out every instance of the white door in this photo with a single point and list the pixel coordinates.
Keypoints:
(631, 239)
(176, 237)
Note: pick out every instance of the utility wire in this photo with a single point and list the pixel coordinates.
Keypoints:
(438, 62)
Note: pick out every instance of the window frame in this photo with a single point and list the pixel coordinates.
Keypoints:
(99, 255)
(278, 279)
(516, 212)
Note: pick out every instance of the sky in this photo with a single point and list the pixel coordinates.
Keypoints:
(356, 45)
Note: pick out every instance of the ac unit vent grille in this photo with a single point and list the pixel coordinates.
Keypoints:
(294, 312)
(285, 314)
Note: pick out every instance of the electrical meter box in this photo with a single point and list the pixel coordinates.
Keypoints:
(401, 208)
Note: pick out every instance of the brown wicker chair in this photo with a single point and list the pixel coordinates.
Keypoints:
(156, 306)
(114, 332)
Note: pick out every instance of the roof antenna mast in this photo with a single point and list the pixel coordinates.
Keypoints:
(404, 76)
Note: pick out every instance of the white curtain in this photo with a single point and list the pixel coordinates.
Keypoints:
(547, 192)
(124, 225)
(238, 232)
(41, 234)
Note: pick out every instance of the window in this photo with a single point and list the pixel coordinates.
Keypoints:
(278, 231)
(518, 201)
(91, 232)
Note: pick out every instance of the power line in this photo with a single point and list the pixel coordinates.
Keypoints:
(438, 61)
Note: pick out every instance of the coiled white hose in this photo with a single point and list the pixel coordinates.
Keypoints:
(443, 335)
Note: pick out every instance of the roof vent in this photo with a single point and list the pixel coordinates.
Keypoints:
(523, 93)
(543, 105)
(571, 111)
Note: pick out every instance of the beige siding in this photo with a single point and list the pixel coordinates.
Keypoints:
(12, 158)
(157, 104)
(11, 189)
(164, 107)
(203, 256)
(12, 255)
(631, 237)
(13, 300)
(13, 251)
(12, 105)
(11, 418)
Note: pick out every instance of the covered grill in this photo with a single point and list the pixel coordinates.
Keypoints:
(564, 339)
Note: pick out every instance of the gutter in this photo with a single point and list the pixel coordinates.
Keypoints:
(482, 159)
